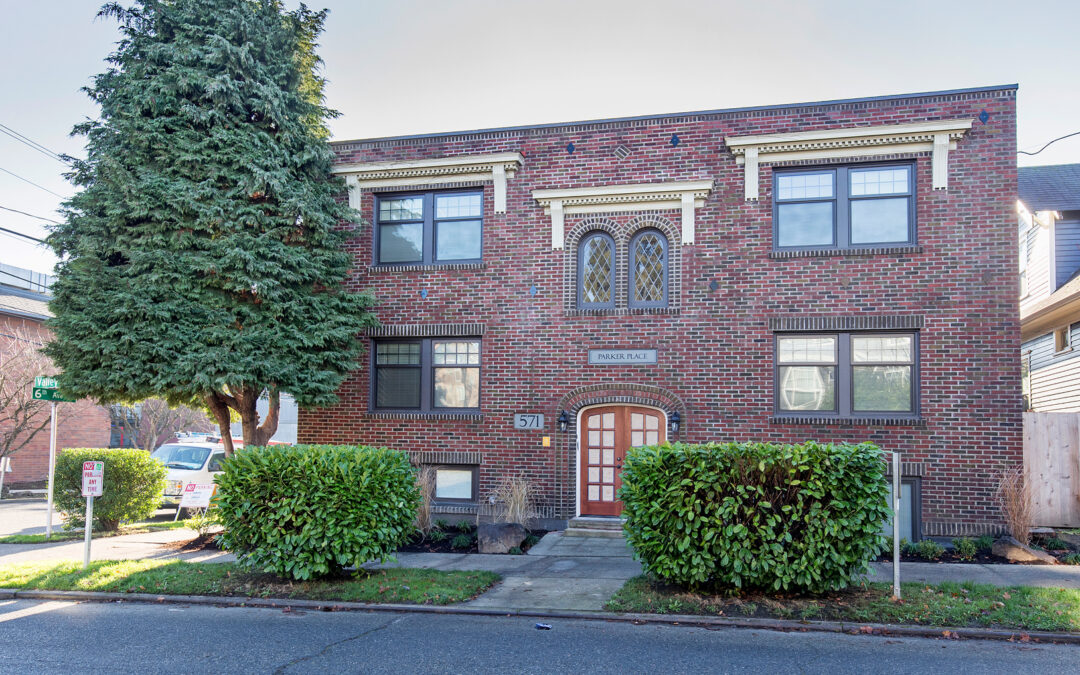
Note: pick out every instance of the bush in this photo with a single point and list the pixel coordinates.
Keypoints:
(984, 543)
(202, 521)
(928, 549)
(461, 541)
(132, 488)
(965, 548)
(305, 511)
(1070, 559)
(760, 515)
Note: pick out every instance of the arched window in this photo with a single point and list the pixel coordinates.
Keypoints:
(596, 271)
(648, 269)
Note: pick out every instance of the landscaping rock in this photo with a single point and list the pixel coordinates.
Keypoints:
(1010, 548)
(499, 537)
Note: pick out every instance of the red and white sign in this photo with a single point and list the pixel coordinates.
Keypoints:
(93, 478)
(197, 495)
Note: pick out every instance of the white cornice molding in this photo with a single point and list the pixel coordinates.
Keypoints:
(685, 196)
(401, 174)
(937, 137)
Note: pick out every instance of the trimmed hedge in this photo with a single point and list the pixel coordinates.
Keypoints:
(305, 511)
(756, 515)
(131, 490)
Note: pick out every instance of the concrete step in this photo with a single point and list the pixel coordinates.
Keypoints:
(594, 527)
(583, 532)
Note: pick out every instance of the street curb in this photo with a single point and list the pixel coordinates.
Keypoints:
(783, 625)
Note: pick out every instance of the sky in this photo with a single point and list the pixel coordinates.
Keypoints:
(420, 66)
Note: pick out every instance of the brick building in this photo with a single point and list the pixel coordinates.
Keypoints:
(839, 271)
(24, 307)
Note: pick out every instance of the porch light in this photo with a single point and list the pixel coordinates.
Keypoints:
(564, 421)
(673, 420)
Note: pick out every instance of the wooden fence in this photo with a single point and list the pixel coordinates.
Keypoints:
(1052, 461)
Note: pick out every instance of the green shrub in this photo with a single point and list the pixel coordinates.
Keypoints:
(928, 549)
(461, 541)
(132, 487)
(965, 548)
(908, 548)
(437, 535)
(441, 524)
(202, 521)
(1070, 559)
(465, 526)
(305, 511)
(1055, 544)
(984, 543)
(755, 515)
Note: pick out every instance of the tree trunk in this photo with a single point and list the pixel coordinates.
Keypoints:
(255, 434)
(220, 409)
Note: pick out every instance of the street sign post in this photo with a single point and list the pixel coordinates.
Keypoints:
(93, 484)
(45, 390)
(5, 467)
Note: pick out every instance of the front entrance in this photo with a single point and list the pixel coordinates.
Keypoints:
(606, 434)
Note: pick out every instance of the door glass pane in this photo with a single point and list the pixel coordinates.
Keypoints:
(652, 438)
(878, 221)
(609, 439)
(401, 243)
(397, 388)
(594, 474)
(805, 224)
(457, 240)
(649, 268)
(807, 388)
(609, 420)
(609, 456)
(594, 455)
(609, 493)
(652, 422)
(594, 493)
(806, 350)
(453, 484)
(457, 387)
(458, 206)
(596, 263)
(405, 208)
(881, 388)
(609, 475)
(881, 349)
(890, 181)
(637, 438)
(594, 439)
(804, 186)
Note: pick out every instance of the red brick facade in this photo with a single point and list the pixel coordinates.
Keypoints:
(730, 294)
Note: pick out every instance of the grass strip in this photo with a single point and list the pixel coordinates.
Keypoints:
(77, 535)
(410, 586)
(946, 604)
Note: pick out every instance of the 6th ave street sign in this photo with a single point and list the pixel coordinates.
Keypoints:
(43, 394)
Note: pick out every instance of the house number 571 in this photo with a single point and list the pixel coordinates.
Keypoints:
(528, 421)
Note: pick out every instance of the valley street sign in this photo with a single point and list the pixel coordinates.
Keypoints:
(45, 382)
(47, 394)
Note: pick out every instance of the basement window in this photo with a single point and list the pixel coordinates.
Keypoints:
(455, 483)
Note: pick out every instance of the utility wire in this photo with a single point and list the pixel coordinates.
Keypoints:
(1059, 138)
(20, 234)
(32, 183)
(32, 144)
(47, 220)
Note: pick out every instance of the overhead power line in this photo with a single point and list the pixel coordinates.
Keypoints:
(32, 144)
(20, 234)
(1059, 138)
(12, 173)
(47, 220)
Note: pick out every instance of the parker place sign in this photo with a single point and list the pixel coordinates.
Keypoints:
(622, 357)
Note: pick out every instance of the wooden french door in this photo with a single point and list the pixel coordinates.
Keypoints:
(606, 434)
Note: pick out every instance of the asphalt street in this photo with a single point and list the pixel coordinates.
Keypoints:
(63, 637)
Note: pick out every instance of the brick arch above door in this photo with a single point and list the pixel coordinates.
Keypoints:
(624, 394)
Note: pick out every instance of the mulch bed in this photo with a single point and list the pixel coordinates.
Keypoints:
(206, 542)
(446, 545)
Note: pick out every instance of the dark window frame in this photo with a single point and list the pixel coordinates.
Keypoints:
(632, 269)
(427, 374)
(429, 254)
(841, 202)
(475, 483)
(580, 283)
(844, 407)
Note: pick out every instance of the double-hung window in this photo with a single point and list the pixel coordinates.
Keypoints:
(844, 207)
(847, 375)
(430, 228)
(427, 375)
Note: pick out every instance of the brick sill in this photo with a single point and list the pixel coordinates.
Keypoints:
(849, 421)
(469, 417)
(845, 252)
(455, 267)
(622, 311)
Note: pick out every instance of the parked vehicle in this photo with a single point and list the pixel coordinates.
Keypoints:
(192, 462)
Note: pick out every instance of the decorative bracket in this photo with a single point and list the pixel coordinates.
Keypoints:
(937, 137)
(496, 168)
(685, 196)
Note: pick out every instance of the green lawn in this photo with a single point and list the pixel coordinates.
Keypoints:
(412, 586)
(74, 535)
(946, 604)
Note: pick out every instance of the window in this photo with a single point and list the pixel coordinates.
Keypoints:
(596, 271)
(648, 269)
(215, 462)
(1062, 340)
(455, 483)
(844, 207)
(431, 375)
(846, 375)
(429, 229)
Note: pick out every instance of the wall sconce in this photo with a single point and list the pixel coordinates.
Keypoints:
(564, 421)
(674, 420)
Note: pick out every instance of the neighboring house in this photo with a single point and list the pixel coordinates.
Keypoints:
(286, 428)
(552, 295)
(24, 307)
(1049, 235)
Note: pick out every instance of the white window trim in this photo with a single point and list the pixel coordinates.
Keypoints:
(684, 196)
(496, 168)
(936, 137)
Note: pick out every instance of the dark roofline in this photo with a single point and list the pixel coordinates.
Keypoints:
(720, 111)
(7, 311)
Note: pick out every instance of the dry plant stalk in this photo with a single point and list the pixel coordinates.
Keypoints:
(1014, 496)
(516, 498)
(425, 482)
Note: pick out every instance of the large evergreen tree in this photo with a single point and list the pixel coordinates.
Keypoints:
(202, 260)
